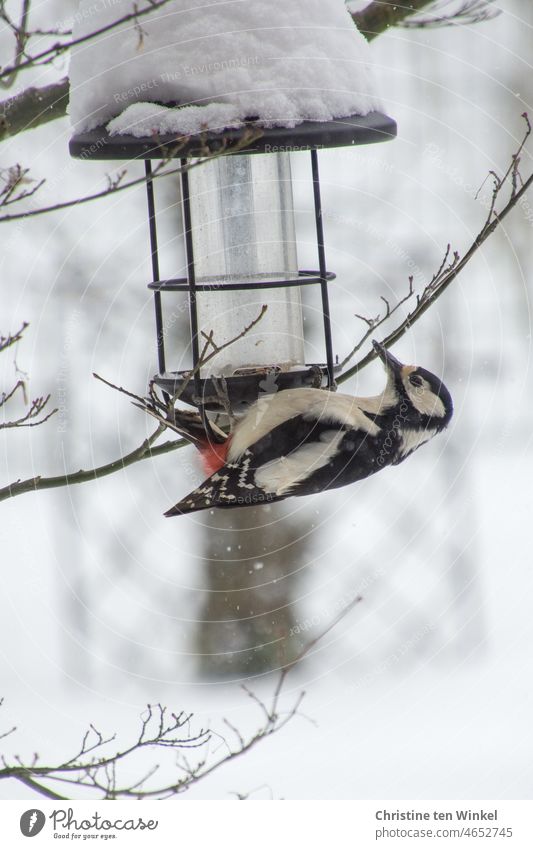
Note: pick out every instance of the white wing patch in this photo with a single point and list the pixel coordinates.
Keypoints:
(280, 475)
(273, 410)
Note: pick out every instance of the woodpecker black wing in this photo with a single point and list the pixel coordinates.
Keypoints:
(330, 457)
(232, 486)
(302, 455)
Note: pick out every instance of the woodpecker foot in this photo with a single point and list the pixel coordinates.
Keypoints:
(220, 399)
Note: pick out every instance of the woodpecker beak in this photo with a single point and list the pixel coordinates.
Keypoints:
(389, 361)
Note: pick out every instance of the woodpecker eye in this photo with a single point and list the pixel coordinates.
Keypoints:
(415, 380)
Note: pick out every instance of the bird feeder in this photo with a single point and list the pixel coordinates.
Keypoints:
(241, 252)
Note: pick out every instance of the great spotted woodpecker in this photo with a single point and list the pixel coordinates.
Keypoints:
(303, 441)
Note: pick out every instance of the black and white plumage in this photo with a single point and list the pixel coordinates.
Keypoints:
(304, 441)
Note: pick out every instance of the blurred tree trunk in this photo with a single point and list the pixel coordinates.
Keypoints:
(253, 561)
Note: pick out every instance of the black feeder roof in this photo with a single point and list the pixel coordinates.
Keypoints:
(310, 135)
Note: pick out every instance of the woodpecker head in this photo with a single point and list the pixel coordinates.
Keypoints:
(427, 402)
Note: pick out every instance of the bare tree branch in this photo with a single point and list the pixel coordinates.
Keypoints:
(33, 107)
(30, 418)
(113, 187)
(93, 769)
(39, 788)
(451, 268)
(12, 338)
(44, 57)
(147, 449)
(377, 321)
(15, 178)
(21, 34)
(115, 184)
(163, 411)
(142, 452)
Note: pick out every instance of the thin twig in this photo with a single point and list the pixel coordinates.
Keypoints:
(450, 268)
(154, 406)
(142, 452)
(98, 772)
(12, 338)
(22, 36)
(34, 411)
(51, 53)
(115, 185)
(374, 323)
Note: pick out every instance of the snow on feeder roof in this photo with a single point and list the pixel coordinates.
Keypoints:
(277, 62)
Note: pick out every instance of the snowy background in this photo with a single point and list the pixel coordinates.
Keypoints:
(424, 690)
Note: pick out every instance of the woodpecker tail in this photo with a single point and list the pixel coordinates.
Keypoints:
(232, 485)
